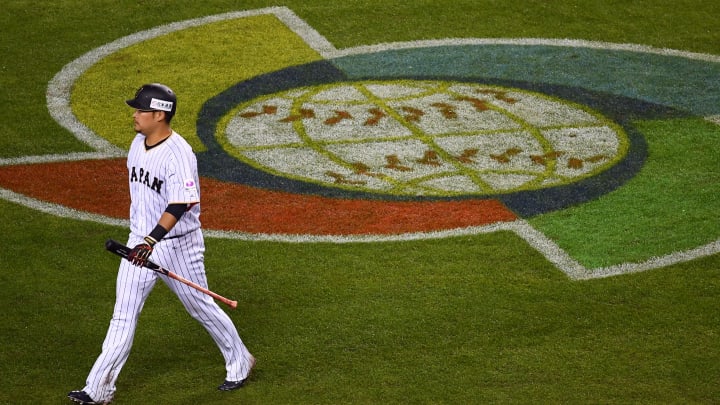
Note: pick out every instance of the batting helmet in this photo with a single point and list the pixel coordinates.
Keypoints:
(155, 97)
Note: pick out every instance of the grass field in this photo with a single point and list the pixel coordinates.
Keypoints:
(480, 318)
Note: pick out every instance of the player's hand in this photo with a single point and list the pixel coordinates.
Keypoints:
(140, 253)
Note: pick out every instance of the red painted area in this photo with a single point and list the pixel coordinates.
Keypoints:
(97, 186)
(100, 186)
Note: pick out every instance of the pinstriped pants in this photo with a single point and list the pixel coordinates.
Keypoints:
(184, 256)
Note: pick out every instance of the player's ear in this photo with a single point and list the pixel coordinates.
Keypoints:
(159, 116)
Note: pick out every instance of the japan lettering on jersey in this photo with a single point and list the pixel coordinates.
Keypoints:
(165, 174)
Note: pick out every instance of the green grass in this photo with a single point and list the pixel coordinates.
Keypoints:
(477, 319)
(363, 324)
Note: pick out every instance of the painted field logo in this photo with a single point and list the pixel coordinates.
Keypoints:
(601, 156)
(423, 138)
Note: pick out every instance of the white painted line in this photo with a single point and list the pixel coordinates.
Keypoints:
(571, 43)
(548, 248)
(657, 262)
(467, 231)
(68, 157)
(313, 38)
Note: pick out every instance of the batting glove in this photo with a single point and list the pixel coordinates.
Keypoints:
(140, 253)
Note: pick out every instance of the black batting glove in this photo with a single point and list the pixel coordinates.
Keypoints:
(140, 254)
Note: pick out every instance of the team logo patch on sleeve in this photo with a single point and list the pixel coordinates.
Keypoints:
(190, 190)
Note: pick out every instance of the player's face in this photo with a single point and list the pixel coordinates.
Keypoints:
(146, 121)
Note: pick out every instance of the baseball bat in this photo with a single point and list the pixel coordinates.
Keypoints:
(123, 251)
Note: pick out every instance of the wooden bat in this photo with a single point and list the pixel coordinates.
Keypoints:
(123, 251)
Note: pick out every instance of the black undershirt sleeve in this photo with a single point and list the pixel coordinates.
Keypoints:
(176, 210)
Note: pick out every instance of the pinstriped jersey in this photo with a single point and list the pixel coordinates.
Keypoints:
(162, 175)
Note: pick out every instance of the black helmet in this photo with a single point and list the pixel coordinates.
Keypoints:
(155, 97)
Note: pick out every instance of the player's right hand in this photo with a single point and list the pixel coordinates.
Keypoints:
(140, 254)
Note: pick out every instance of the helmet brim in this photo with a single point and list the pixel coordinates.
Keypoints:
(135, 103)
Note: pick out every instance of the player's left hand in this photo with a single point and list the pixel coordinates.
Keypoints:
(140, 254)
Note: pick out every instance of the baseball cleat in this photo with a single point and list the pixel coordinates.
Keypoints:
(231, 385)
(81, 397)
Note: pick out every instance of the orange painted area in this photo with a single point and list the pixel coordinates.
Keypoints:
(100, 186)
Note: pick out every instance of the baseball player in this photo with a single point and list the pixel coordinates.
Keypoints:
(164, 223)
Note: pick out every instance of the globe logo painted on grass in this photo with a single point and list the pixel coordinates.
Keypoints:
(423, 138)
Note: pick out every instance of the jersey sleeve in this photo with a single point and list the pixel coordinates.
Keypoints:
(182, 177)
